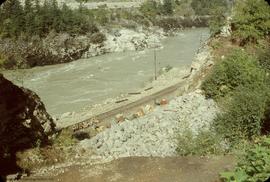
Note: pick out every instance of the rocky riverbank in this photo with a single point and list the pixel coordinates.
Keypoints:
(119, 40)
(62, 48)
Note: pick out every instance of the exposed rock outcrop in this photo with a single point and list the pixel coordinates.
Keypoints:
(24, 123)
(62, 48)
(54, 49)
(120, 40)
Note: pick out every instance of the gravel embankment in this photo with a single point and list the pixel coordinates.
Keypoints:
(154, 134)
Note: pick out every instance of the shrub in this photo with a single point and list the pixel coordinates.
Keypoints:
(254, 165)
(60, 151)
(251, 20)
(8, 61)
(217, 21)
(204, 143)
(183, 8)
(244, 114)
(243, 88)
(264, 58)
(216, 44)
(31, 159)
(2, 60)
(204, 7)
(238, 69)
(65, 139)
(169, 23)
(98, 38)
(150, 8)
(167, 7)
(102, 15)
(198, 21)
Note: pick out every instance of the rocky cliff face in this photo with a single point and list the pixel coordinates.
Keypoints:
(54, 49)
(24, 123)
(62, 48)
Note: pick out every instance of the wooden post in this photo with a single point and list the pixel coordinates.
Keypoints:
(155, 62)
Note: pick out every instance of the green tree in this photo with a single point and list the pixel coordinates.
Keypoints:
(244, 114)
(218, 20)
(150, 8)
(81, 2)
(12, 12)
(56, 16)
(167, 7)
(28, 17)
(66, 18)
(204, 7)
(251, 21)
(238, 69)
(35, 19)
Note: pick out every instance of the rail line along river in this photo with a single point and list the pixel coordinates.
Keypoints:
(73, 86)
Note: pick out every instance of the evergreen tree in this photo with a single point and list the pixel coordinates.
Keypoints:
(205, 7)
(35, 19)
(1, 17)
(150, 8)
(12, 12)
(46, 18)
(168, 7)
(67, 15)
(29, 17)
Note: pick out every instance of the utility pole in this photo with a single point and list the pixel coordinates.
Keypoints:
(155, 63)
(200, 44)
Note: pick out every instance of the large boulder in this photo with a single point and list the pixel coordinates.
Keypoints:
(24, 122)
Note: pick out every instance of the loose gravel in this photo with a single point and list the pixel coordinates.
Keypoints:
(155, 134)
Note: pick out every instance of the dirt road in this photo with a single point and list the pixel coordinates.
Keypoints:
(146, 169)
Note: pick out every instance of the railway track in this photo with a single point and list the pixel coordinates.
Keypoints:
(100, 119)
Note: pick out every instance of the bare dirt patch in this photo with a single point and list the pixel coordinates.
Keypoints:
(155, 169)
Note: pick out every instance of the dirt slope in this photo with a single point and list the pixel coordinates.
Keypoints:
(145, 169)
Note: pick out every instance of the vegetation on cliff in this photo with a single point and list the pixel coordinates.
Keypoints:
(39, 19)
(239, 82)
(34, 18)
(28, 31)
(251, 21)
